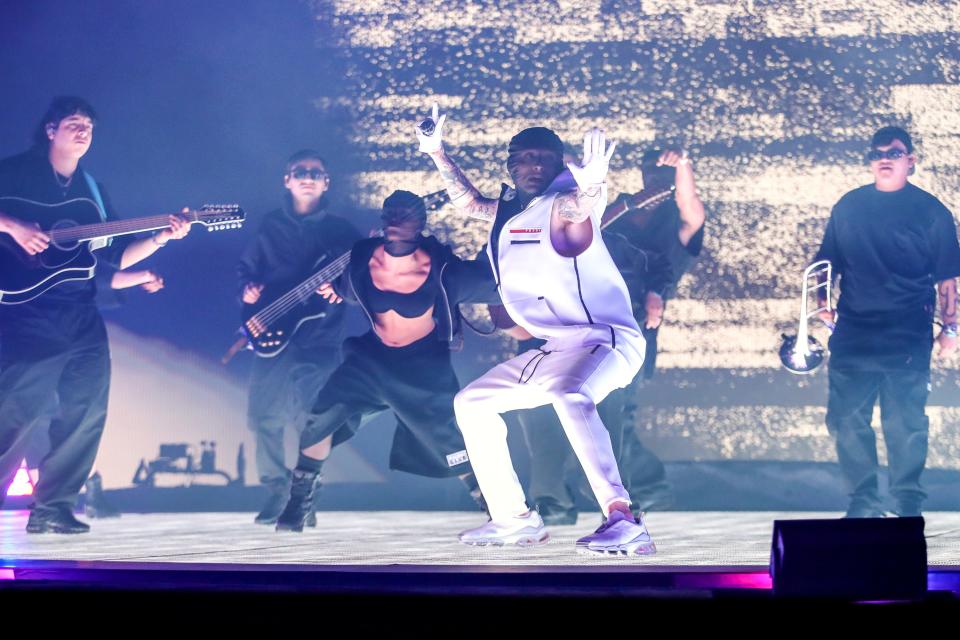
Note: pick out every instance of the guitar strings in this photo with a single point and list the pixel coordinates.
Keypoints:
(292, 298)
(300, 293)
(117, 227)
(289, 300)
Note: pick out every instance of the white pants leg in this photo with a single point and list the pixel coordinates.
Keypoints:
(573, 380)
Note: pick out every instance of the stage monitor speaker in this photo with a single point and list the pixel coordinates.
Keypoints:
(852, 558)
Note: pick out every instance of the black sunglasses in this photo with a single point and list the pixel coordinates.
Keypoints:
(889, 154)
(315, 174)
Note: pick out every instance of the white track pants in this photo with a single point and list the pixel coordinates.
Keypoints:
(573, 380)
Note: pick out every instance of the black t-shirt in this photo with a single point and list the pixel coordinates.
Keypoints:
(288, 248)
(890, 249)
(660, 234)
(30, 175)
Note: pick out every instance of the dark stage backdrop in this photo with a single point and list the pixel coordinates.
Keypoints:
(774, 100)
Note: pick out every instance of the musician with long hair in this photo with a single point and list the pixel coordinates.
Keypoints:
(56, 344)
(894, 247)
(291, 243)
(409, 286)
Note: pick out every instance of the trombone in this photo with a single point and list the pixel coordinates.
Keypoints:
(802, 353)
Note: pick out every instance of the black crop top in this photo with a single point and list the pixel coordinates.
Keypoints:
(408, 305)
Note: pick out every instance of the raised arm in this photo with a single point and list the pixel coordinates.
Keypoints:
(463, 195)
(692, 213)
(571, 228)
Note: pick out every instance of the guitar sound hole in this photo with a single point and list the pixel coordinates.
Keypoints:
(63, 245)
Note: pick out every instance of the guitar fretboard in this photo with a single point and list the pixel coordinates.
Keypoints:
(300, 293)
(113, 228)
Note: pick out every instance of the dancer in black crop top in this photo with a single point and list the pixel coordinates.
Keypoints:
(406, 305)
(409, 286)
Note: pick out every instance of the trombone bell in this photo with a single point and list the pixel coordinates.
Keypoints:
(801, 361)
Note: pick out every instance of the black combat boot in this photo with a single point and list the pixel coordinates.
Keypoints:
(299, 507)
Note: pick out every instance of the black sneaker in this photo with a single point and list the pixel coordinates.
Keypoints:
(300, 505)
(57, 519)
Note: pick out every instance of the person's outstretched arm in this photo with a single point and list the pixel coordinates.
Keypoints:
(463, 195)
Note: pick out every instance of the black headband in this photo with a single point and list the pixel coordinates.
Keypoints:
(536, 138)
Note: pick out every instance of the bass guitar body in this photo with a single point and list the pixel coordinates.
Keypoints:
(24, 277)
(268, 339)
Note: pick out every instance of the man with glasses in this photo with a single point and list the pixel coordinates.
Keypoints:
(292, 243)
(894, 247)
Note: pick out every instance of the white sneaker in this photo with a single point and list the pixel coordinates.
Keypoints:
(522, 531)
(620, 535)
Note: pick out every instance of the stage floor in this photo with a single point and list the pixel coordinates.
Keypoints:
(685, 540)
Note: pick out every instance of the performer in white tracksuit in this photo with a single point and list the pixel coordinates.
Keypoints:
(558, 282)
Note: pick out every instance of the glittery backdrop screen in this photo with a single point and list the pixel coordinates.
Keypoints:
(774, 102)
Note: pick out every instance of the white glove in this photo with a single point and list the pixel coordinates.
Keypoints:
(596, 160)
(432, 142)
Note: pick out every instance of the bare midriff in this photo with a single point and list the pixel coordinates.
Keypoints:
(401, 275)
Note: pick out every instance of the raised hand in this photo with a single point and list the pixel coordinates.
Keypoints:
(592, 172)
(432, 141)
(673, 158)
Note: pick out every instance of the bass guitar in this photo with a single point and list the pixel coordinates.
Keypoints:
(76, 231)
(270, 322)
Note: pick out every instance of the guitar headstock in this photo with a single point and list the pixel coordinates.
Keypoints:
(436, 200)
(216, 217)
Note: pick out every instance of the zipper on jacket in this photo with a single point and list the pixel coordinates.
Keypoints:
(446, 300)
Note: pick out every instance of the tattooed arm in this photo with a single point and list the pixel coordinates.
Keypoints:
(463, 195)
(571, 229)
(576, 206)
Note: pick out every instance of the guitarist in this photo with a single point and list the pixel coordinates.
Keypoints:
(674, 229)
(56, 344)
(292, 243)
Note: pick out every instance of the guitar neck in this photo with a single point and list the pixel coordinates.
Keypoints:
(328, 273)
(302, 291)
(113, 228)
(638, 202)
